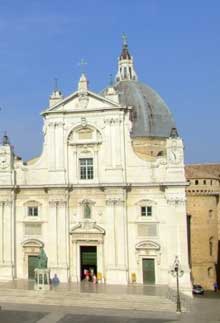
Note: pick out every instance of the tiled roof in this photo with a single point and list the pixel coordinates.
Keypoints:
(202, 171)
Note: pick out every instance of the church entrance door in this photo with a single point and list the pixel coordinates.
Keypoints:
(32, 264)
(148, 271)
(88, 260)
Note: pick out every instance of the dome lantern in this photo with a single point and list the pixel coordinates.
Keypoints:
(125, 64)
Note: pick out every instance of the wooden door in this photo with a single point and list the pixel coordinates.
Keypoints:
(32, 264)
(148, 271)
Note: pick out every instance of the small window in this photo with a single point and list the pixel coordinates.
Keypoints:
(32, 211)
(161, 153)
(86, 168)
(211, 246)
(210, 213)
(146, 211)
(196, 182)
(204, 182)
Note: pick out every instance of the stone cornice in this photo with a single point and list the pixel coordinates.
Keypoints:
(95, 185)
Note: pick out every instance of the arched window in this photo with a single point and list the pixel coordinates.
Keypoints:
(196, 182)
(211, 246)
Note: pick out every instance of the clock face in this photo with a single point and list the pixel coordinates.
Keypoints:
(173, 157)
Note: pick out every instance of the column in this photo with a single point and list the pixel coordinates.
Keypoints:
(118, 145)
(62, 236)
(108, 144)
(58, 240)
(59, 145)
(116, 242)
(110, 247)
(52, 234)
(51, 146)
(114, 140)
(6, 241)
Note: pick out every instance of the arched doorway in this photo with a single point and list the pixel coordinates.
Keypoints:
(31, 249)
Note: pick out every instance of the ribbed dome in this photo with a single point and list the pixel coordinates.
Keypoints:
(150, 116)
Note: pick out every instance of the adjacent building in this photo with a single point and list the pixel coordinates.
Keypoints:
(203, 213)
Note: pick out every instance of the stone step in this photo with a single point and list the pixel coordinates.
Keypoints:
(83, 295)
(91, 300)
(91, 304)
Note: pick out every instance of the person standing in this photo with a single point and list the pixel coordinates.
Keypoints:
(215, 286)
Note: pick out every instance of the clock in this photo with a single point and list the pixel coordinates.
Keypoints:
(173, 158)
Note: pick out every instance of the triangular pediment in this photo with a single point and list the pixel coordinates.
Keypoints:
(86, 102)
(87, 227)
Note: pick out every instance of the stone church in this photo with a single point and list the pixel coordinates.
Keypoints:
(107, 192)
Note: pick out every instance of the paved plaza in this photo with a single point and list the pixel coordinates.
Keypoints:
(120, 304)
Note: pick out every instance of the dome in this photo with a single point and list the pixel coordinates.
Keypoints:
(150, 115)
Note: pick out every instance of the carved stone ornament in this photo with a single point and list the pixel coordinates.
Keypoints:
(147, 244)
(114, 201)
(86, 201)
(83, 122)
(54, 203)
(146, 202)
(32, 243)
(87, 227)
(4, 160)
(176, 200)
(6, 203)
(83, 100)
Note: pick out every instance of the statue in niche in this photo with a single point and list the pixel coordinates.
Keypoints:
(42, 259)
(87, 211)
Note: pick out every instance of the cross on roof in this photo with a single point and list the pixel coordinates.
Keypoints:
(82, 63)
(125, 39)
(55, 84)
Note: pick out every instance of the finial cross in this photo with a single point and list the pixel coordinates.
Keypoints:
(125, 39)
(82, 63)
(55, 84)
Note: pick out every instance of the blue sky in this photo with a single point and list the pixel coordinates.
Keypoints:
(175, 44)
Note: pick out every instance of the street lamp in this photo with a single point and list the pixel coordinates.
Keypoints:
(177, 272)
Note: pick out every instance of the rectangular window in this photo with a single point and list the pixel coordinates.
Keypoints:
(86, 168)
(146, 211)
(32, 211)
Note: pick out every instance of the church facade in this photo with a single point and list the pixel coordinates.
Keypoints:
(107, 192)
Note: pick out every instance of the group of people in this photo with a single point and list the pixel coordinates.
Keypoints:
(89, 275)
